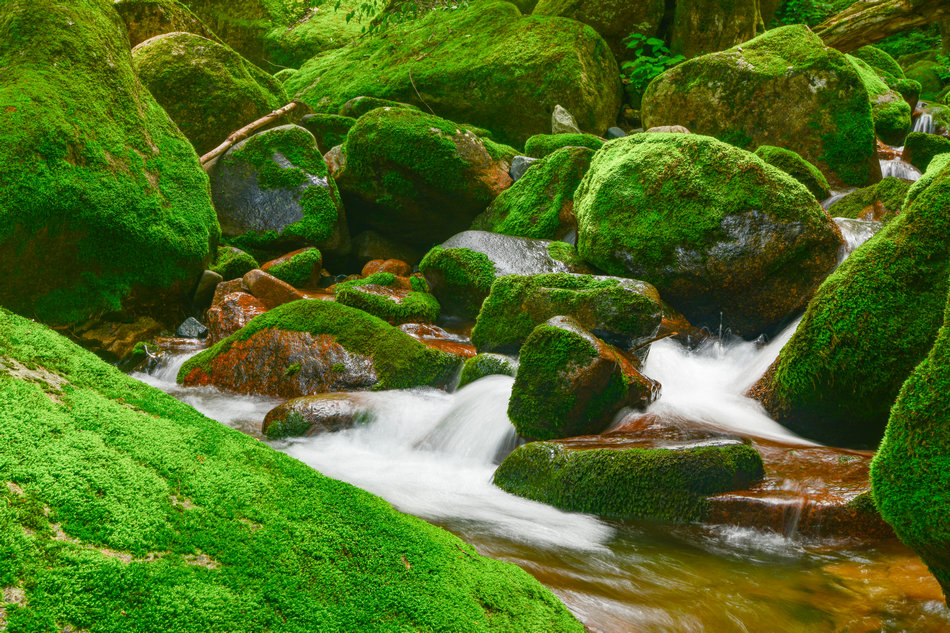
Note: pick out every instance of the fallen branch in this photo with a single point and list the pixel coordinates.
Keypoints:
(868, 21)
(236, 137)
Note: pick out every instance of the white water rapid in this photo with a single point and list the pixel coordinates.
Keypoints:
(924, 123)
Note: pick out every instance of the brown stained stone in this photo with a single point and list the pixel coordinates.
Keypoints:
(286, 364)
(176, 345)
(115, 340)
(225, 288)
(315, 275)
(394, 266)
(271, 291)
(439, 339)
(231, 313)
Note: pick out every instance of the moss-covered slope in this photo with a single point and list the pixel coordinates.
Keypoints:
(124, 510)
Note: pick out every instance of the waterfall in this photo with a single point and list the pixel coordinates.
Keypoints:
(899, 169)
(924, 123)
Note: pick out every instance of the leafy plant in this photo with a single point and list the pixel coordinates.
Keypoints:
(651, 57)
(810, 12)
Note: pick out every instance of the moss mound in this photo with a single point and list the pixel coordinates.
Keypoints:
(680, 211)
(232, 263)
(892, 115)
(883, 64)
(928, 74)
(654, 483)
(482, 365)
(868, 326)
(746, 96)
(300, 268)
(489, 66)
(380, 296)
(114, 491)
(920, 149)
(358, 106)
(465, 278)
(541, 145)
(911, 471)
(880, 202)
(104, 202)
(330, 130)
(796, 167)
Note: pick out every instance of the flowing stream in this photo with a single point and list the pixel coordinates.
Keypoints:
(432, 454)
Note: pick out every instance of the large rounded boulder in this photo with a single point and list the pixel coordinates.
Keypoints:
(207, 88)
(783, 88)
(720, 233)
(892, 115)
(144, 19)
(614, 20)
(104, 203)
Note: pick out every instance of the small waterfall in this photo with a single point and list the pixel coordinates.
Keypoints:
(835, 196)
(899, 169)
(924, 123)
(855, 233)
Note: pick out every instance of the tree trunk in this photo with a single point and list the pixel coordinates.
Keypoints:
(945, 36)
(868, 21)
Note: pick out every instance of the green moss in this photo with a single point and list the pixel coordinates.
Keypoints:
(665, 484)
(920, 149)
(400, 361)
(418, 306)
(564, 252)
(796, 167)
(358, 106)
(329, 129)
(167, 518)
(293, 370)
(608, 306)
(482, 365)
(284, 74)
(927, 73)
(232, 263)
(103, 196)
(883, 64)
(890, 193)
(910, 475)
(298, 270)
(540, 145)
(462, 278)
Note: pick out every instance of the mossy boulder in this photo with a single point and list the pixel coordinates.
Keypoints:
(541, 145)
(707, 26)
(482, 365)
(492, 68)
(541, 203)
(796, 167)
(462, 269)
(668, 484)
(113, 490)
(314, 346)
(301, 268)
(725, 237)
(613, 20)
(330, 130)
(890, 72)
(233, 263)
(272, 192)
(313, 415)
(144, 19)
(920, 149)
(417, 178)
(358, 106)
(910, 474)
(623, 312)
(880, 203)
(382, 295)
(892, 115)
(207, 89)
(105, 205)
(783, 88)
(927, 73)
(871, 322)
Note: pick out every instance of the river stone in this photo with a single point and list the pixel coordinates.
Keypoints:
(207, 89)
(270, 290)
(920, 149)
(614, 132)
(798, 168)
(313, 415)
(204, 291)
(540, 145)
(562, 122)
(191, 328)
(233, 263)
(783, 88)
(301, 268)
(483, 365)
(144, 19)
(315, 346)
(571, 383)
(105, 206)
(623, 312)
(519, 166)
(726, 238)
(417, 178)
(230, 312)
(461, 270)
(272, 191)
(707, 26)
(387, 296)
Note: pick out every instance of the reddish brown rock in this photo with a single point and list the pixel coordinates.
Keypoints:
(231, 313)
(225, 288)
(435, 337)
(271, 291)
(115, 340)
(315, 266)
(394, 266)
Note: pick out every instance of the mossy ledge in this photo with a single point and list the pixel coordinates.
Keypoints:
(124, 510)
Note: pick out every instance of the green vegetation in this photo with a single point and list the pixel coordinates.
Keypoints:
(461, 278)
(892, 115)
(416, 306)
(233, 263)
(299, 269)
(664, 484)
(329, 129)
(650, 58)
(920, 149)
(796, 167)
(888, 195)
(482, 365)
(541, 145)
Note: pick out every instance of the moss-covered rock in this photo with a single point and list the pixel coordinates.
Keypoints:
(910, 474)
(358, 106)
(707, 26)
(783, 88)
(880, 202)
(113, 491)
(726, 238)
(613, 20)
(381, 295)
(890, 72)
(233, 263)
(540, 145)
(329, 129)
(482, 365)
(104, 203)
(315, 346)
(301, 268)
(491, 67)
(541, 203)
(927, 73)
(207, 89)
(417, 178)
(892, 115)
(670, 484)
(624, 312)
(920, 149)
(796, 167)
(312, 415)
(272, 192)
(571, 383)
(144, 19)
(868, 326)
(462, 269)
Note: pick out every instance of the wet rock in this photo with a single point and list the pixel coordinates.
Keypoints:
(144, 19)
(562, 122)
(571, 383)
(233, 263)
(272, 191)
(115, 340)
(370, 245)
(313, 415)
(614, 132)
(743, 96)
(462, 269)
(540, 145)
(301, 268)
(191, 328)
(440, 339)
(725, 238)
(329, 129)
(308, 347)
(668, 129)
(270, 290)
(519, 166)
(335, 161)
(541, 203)
(487, 365)
(204, 292)
(404, 169)
(384, 295)
(225, 288)
(920, 149)
(671, 483)
(796, 167)
(395, 266)
(206, 88)
(230, 313)
(878, 203)
(623, 312)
